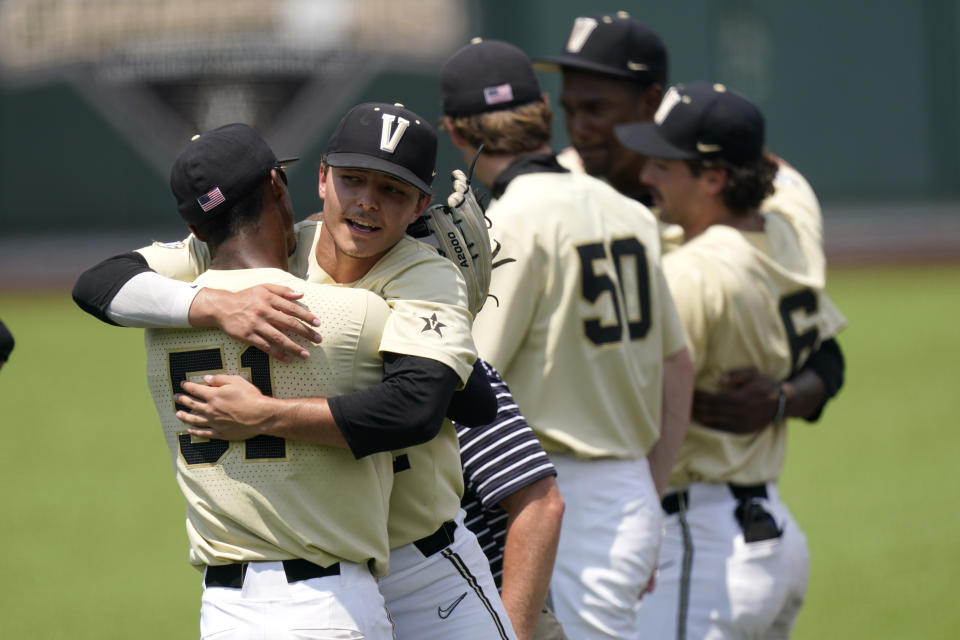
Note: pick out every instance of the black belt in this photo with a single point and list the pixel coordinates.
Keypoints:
(671, 503)
(231, 575)
(437, 540)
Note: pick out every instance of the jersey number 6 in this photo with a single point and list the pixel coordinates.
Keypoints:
(634, 288)
(211, 451)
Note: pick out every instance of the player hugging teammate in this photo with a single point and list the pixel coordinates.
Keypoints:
(653, 354)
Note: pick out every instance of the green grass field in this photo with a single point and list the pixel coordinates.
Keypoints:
(93, 525)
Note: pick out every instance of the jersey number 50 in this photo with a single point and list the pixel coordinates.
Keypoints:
(211, 451)
(633, 290)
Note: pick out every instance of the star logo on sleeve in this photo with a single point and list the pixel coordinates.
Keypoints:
(432, 324)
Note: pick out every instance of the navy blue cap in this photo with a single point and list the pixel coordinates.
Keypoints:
(699, 120)
(487, 75)
(218, 169)
(388, 138)
(612, 44)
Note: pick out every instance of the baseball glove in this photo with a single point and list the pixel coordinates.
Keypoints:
(458, 231)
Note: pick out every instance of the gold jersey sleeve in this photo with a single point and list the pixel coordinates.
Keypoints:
(268, 498)
(183, 260)
(744, 303)
(794, 200)
(580, 319)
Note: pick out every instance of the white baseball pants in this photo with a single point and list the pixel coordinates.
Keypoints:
(340, 607)
(608, 545)
(449, 594)
(713, 585)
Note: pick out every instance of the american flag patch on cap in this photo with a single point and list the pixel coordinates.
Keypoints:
(498, 94)
(210, 199)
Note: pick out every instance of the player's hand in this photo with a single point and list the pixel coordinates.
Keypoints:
(746, 402)
(226, 408)
(258, 316)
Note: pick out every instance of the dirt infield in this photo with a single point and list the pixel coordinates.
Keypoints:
(855, 235)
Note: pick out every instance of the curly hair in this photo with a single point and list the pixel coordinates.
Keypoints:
(509, 131)
(746, 186)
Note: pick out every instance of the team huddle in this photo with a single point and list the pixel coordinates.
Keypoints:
(389, 421)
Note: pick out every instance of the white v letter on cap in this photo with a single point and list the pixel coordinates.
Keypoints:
(389, 142)
(582, 28)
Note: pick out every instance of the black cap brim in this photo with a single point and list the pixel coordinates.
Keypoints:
(560, 63)
(645, 138)
(372, 163)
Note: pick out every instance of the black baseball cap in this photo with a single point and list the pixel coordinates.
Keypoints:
(487, 75)
(612, 44)
(699, 120)
(388, 138)
(218, 169)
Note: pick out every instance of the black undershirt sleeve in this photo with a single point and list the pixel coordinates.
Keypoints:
(476, 404)
(828, 363)
(97, 286)
(406, 408)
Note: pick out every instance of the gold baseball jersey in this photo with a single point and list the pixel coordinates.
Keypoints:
(427, 487)
(268, 498)
(581, 318)
(429, 318)
(746, 300)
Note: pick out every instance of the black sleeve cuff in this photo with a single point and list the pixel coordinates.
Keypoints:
(476, 404)
(97, 286)
(407, 408)
(829, 365)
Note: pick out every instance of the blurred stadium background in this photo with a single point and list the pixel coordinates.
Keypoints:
(98, 96)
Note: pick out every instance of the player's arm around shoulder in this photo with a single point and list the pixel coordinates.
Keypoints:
(149, 288)
(144, 288)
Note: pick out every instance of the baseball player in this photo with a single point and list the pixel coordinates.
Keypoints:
(375, 179)
(614, 71)
(734, 563)
(6, 344)
(584, 332)
(272, 523)
(513, 506)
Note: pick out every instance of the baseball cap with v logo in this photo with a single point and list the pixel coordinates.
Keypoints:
(612, 44)
(388, 138)
(699, 120)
